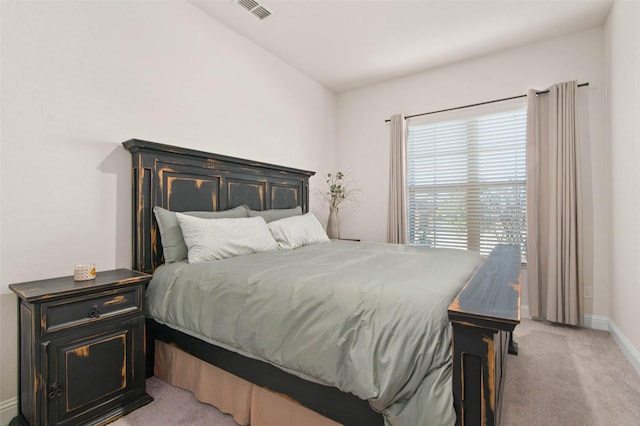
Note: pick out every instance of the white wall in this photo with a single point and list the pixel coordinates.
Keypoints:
(363, 135)
(79, 78)
(623, 77)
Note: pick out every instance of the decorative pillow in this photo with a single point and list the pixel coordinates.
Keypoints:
(217, 239)
(173, 246)
(276, 214)
(298, 231)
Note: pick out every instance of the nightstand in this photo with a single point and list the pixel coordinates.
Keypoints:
(81, 348)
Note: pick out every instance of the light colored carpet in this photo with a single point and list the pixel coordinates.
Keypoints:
(562, 376)
(173, 406)
(569, 376)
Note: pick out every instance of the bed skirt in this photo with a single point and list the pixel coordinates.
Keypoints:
(247, 403)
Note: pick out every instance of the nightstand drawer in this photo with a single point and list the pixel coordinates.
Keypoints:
(90, 308)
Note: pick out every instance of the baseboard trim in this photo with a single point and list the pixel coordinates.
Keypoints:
(596, 322)
(524, 311)
(8, 410)
(631, 353)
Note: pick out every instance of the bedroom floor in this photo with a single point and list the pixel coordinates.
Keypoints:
(174, 406)
(561, 376)
(569, 376)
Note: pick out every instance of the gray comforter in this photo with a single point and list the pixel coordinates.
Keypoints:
(370, 319)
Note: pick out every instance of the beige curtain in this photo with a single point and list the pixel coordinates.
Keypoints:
(397, 222)
(554, 267)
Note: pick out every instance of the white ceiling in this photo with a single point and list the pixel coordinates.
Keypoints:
(345, 44)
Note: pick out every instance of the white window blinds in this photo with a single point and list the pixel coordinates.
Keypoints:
(467, 179)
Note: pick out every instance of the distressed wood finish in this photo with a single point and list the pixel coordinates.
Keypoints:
(484, 315)
(81, 348)
(214, 182)
(181, 179)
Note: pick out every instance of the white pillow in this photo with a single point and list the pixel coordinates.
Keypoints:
(298, 231)
(216, 239)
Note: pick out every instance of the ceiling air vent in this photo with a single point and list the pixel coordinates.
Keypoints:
(254, 7)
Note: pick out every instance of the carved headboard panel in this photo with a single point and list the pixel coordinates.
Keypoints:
(181, 179)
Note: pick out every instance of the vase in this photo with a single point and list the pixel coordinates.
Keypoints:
(333, 227)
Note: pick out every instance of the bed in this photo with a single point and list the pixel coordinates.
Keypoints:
(483, 312)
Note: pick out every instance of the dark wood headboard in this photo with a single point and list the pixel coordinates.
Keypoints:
(181, 179)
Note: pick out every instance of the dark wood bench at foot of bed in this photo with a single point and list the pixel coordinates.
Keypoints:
(483, 314)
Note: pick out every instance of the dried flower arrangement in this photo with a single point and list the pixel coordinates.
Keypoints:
(339, 190)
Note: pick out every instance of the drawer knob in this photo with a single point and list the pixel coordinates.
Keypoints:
(94, 312)
(54, 391)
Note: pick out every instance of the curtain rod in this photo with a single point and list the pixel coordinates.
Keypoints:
(542, 92)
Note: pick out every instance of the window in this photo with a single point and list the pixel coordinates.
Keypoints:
(467, 178)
